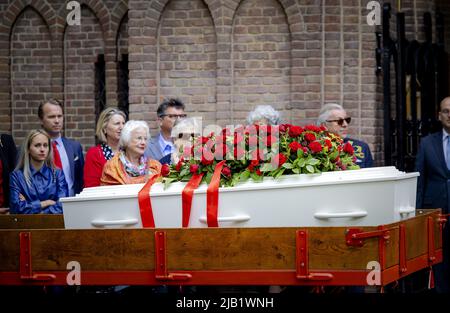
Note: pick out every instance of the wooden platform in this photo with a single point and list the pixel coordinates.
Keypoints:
(31, 252)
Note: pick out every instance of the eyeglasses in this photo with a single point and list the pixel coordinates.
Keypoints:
(174, 116)
(340, 121)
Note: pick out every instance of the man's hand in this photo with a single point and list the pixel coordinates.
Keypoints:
(47, 203)
(4, 210)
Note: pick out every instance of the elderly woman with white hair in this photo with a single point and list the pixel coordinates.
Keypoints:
(263, 115)
(129, 166)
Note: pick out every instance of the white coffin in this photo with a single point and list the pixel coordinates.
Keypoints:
(365, 197)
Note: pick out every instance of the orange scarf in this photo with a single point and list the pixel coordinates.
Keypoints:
(114, 173)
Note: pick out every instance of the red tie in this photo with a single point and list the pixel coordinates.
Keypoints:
(56, 156)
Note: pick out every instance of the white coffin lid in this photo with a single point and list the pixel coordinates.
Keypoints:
(288, 181)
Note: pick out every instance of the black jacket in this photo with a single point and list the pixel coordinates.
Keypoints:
(8, 156)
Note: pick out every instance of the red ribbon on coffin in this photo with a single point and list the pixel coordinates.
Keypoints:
(145, 204)
(187, 194)
(212, 196)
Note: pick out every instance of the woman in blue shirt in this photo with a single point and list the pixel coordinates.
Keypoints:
(36, 184)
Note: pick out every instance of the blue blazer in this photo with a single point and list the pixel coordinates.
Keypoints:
(76, 161)
(367, 160)
(153, 150)
(46, 184)
(433, 184)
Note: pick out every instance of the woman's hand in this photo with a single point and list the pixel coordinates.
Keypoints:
(4, 210)
(47, 203)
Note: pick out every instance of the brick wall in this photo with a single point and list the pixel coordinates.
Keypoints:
(82, 45)
(30, 70)
(221, 57)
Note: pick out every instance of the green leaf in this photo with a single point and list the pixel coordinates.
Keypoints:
(313, 161)
(277, 175)
(208, 177)
(184, 171)
(167, 182)
(266, 168)
(310, 169)
(301, 163)
(300, 153)
(296, 171)
(244, 175)
(288, 166)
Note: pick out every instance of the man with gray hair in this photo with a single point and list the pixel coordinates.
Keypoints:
(335, 119)
(265, 115)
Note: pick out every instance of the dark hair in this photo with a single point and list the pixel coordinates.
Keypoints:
(49, 101)
(169, 103)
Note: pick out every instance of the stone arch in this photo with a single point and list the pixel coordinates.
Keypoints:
(15, 9)
(30, 68)
(118, 15)
(261, 58)
(187, 57)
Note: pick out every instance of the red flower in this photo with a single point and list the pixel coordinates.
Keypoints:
(294, 146)
(238, 153)
(270, 140)
(207, 157)
(253, 141)
(226, 171)
(220, 151)
(295, 131)
(323, 128)
(310, 137)
(315, 147)
(226, 132)
(279, 160)
(348, 148)
(204, 140)
(178, 166)
(258, 172)
(313, 128)
(165, 170)
(193, 168)
(328, 143)
(251, 130)
(187, 152)
(284, 127)
(238, 138)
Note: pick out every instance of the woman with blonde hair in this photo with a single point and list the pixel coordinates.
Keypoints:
(129, 165)
(109, 127)
(36, 184)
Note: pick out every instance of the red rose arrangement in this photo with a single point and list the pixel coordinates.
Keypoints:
(263, 151)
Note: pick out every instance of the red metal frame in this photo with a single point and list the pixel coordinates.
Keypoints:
(300, 276)
(402, 249)
(161, 271)
(302, 264)
(431, 252)
(25, 265)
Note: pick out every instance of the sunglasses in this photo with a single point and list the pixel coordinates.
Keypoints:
(173, 116)
(340, 121)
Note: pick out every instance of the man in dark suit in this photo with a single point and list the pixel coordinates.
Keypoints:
(433, 186)
(68, 153)
(335, 119)
(161, 146)
(8, 157)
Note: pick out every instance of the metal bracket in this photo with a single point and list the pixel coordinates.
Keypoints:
(402, 249)
(161, 271)
(302, 265)
(431, 247)
(25, 268)
(355, 236)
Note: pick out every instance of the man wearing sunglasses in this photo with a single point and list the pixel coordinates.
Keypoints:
(335, 119)
(169, 111)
